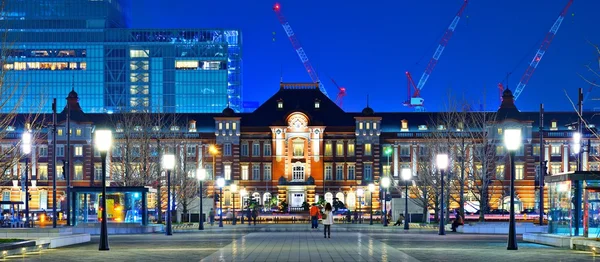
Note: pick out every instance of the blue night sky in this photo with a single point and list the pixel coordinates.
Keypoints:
(367, 46)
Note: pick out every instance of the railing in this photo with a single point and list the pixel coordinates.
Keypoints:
(299, 86)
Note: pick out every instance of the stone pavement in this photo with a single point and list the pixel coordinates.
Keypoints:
(294, 246)
(311, 246)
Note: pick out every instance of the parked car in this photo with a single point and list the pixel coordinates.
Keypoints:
(499, 212)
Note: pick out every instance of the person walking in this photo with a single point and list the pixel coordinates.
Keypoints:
(254, 215)
(314, 216)
(327, 221)
(211, 216)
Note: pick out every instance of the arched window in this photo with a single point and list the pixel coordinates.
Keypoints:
(267, 198)
(256, 197)
(340, 197)
(351, 200)
(329, 197)
(298, 172)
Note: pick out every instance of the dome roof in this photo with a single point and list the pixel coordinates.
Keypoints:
(228, 111)
(72, 94)
(368, 111)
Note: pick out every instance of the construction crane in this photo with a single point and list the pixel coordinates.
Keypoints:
(589, 91)
(541, 51)
(296, 44)
(339, 100)
(415, 101)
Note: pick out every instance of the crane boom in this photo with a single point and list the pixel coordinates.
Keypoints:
(415, 100)
(299, 50)
(541, 51)
(440, 49)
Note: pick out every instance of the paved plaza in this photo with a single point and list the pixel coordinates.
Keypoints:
(307, 246)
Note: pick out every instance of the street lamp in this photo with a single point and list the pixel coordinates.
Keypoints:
(388, 152)
(385, 183)
(103, 142)
(168, 163)
(243, 193)
(26, 143)
(201, 175)
(512, 141)
(360, 192)
(371, 189)
(442, 164)
(221, 184)
(233, 189)
(406, 176)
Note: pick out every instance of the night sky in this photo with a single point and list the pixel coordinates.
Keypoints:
(367, 46)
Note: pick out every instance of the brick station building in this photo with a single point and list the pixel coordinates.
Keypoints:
(298, 145)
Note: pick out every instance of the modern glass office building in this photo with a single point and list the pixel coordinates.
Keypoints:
(53, 46)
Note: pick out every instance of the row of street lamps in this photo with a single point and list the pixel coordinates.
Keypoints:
(103, 142)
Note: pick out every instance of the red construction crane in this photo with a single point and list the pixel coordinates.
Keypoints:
(415, 100)
(296, 44)
(339, 100)
(541, 51)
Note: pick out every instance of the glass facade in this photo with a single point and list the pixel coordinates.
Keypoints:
(121, 207)
(116, 69)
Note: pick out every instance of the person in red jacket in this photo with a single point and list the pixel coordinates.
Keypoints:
(314, 216)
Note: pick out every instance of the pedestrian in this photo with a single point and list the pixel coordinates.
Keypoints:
(314, 216)
(327, 220)
(255, 214)
(399, 221)
(458, 221)
(211, 216)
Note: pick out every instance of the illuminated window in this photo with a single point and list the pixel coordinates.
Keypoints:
(554, 125)
(78, 150)
(339, 148)
(404, 125)
(386, 170)
(227, 125)
(233, 125)
(59, 132)
(299, 148)
(499, 131)
(519, 172)
(78, 172)
(367, 149)
(374, 125)
(555, 150)
(360, 125)
(138, 53)
(227, 171)
(211, 65)
(245, 172)
(78, 132)
(255, 171)
(536, 150)
(187, 64)
(499, 150)
(317, 104)
(500, 172)
(220, 126)
(328, 149)
(350, 148)
(368, 125)
(280, 104)
(42, 172)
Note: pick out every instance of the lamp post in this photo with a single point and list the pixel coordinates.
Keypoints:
(243, 193)
(371, 189)
(442, 164)
(103, 142)
(221, 184)
(406, 176)
(26, 143)
(201, 174)
(512, 141)
(388, 152)
(168, 163)
(233, 189)
(385, 183)
(360, 192)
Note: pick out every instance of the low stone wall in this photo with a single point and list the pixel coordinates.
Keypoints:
(117, 228)
(500, 228)
(28, 233)
(548, 239)
(18, 248)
